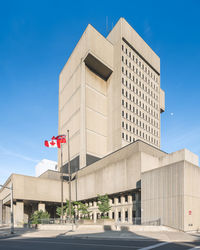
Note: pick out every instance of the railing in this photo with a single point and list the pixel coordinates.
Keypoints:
(56, 221)
(156, 222)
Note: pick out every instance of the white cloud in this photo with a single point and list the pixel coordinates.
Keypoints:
(20, 156)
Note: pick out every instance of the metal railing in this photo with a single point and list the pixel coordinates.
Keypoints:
(54, 221)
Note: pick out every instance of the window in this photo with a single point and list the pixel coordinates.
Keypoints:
(126, 198)
(119, 199)
(122, 47)
(123, 135)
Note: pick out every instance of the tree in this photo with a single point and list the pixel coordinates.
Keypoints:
(82, 208)
(66, 209)
(39, 216)
(103, 204)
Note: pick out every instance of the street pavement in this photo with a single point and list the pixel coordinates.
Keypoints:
(54, 239)
(61, 243)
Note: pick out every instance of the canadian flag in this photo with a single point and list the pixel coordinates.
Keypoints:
(55, 141)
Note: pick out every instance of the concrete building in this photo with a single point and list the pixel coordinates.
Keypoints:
(110, 99)
(109, 94)
(144, 184)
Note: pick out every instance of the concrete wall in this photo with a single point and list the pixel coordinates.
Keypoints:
(124, 34)
(35, 189)
(75, 97)
(171, 192)
(162, 195)
(191, 197)
(96, 114)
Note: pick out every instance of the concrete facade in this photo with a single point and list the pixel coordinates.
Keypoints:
(144, 184)
(109, 94)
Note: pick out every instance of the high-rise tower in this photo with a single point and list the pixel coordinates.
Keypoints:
(109, 94)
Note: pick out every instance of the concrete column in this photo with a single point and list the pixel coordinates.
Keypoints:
(130, 218)
(116, 214)
(115, 201)
(19, 213)
(83, 119)
(95, 216)
(41, 206)
(110, 214)
(129, 199)
(122, 210)
(1, 212)
(122, 215)
(95, 203)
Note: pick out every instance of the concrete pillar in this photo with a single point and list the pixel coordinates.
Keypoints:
(130, 218)
(1, 212)
(19, 213)
(116, 214)
(122, 210)
(41, 206)
(122, 215)
(6, 215)
(110, 214)
(95, 216)
(82, 162)
(129, 199)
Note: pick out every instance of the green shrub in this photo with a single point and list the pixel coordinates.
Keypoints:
(39, 216)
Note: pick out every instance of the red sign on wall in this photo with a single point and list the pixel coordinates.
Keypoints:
(190, 212)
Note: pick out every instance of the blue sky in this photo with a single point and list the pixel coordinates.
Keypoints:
(37, 37)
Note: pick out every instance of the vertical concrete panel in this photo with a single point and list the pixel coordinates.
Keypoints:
(1, 212)
(19, 213)
(161, 190)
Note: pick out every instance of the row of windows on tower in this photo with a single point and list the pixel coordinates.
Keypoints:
(139, 73)
(144, 136)
(139, 113)
(139, 103)
(142, 125)
(134, 79)
(129, 52)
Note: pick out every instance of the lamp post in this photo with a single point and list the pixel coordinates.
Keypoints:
(69, 173)
(61, 176)
(11, 208)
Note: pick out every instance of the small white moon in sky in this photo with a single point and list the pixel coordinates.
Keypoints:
(171, 113)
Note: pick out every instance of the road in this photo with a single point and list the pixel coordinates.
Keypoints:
(63, 243)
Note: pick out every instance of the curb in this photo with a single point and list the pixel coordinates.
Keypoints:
(8, 235)
(106, 238)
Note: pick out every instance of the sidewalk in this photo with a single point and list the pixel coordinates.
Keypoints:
(117, 235)
(95, 233)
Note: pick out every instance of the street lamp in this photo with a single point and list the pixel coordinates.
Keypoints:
(11, 208)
